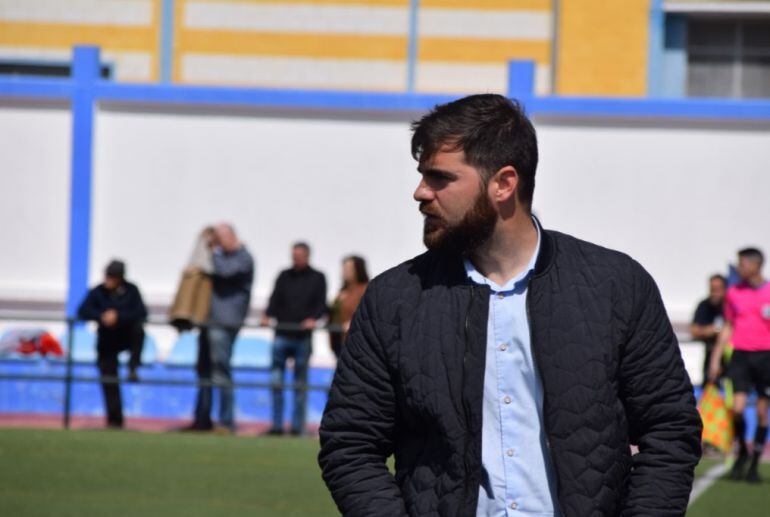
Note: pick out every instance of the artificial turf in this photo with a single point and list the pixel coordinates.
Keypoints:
(733, 498)
(94, 473)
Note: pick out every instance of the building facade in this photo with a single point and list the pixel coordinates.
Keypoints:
(632, 48)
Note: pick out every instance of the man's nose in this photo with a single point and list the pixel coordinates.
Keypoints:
(423, 192)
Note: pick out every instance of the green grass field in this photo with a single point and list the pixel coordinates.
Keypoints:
(733, 498)
(94, 473)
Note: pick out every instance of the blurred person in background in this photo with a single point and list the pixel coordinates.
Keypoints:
(232, 278)
(509, 368)
(707, 321)
(298, 299)
(117, 306)
(355, 278)
(747, 329)
(192, 302)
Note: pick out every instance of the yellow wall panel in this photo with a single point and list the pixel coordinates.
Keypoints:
(472, 50)
(157, 14)
(338, 46)
(176, 54)
(58, 35)
(602, 47)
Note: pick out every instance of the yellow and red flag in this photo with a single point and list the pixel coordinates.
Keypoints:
(717, 419)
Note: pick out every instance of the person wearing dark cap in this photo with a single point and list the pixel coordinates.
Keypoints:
(117, 306)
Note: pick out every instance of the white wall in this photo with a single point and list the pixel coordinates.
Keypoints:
(343, 185)
(34, 200)
(681, 199)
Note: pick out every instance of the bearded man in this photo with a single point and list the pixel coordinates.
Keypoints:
(510, 368)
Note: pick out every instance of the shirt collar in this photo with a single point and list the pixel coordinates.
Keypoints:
(476, 277)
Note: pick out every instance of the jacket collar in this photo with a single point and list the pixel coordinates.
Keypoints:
(547, 249)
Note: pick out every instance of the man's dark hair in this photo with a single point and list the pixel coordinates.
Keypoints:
(752, 254)
(303, 245)
(115, 269)
(719, 277)
(490, 129)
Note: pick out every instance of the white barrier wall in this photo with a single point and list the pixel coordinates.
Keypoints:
(342, 185)
(681, 198)
(34, 200)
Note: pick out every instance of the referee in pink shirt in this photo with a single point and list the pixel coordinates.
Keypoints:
(747, 328)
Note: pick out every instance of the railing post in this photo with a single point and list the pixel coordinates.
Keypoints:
(521, 79)
(68, 374)
(85, 73)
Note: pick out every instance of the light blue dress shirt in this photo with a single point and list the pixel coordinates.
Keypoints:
(518, 477)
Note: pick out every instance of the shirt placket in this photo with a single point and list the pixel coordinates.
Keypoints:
(503, 352)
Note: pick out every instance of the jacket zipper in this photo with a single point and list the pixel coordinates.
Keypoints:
(465, 357)
(536, 360)
(465, 352)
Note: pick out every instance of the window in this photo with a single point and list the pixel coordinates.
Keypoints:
(43, 69)
(728, 58)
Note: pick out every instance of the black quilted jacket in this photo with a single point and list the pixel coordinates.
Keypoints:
(410, 383)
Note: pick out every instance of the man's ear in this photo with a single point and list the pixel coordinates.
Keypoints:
(504, 184)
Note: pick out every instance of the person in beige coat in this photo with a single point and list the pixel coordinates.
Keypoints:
(193, 296)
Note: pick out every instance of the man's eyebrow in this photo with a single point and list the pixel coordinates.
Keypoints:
(433, 171)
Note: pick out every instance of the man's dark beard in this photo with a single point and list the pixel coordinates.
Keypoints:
(472, 231)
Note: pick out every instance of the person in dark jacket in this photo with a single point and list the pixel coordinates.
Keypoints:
(117, 306)
(707, 321)
(510, 368)
(232, 278)
(299, 300)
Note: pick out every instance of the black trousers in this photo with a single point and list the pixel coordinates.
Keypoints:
(130, 338)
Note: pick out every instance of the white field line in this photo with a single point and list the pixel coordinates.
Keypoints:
(704, 482)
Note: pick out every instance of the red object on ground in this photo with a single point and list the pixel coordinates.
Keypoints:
(44, 344)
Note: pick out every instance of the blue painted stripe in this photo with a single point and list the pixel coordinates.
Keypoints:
(85, 73)
(33, 87)
(651, 108)
(411, 63)
(320, 99)
(166, 40)
(363, 101)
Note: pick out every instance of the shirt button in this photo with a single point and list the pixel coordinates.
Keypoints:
(514, 505)
(500, 296)
(503, 347)
(509, 452)
(507, 400)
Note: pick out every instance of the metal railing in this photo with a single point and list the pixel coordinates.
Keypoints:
(69, 378)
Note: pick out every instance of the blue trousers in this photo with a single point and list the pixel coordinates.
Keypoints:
(215, 348)
(283, 349)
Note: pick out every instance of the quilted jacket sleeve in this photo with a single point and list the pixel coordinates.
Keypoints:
(660, 407)
(358, 424)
